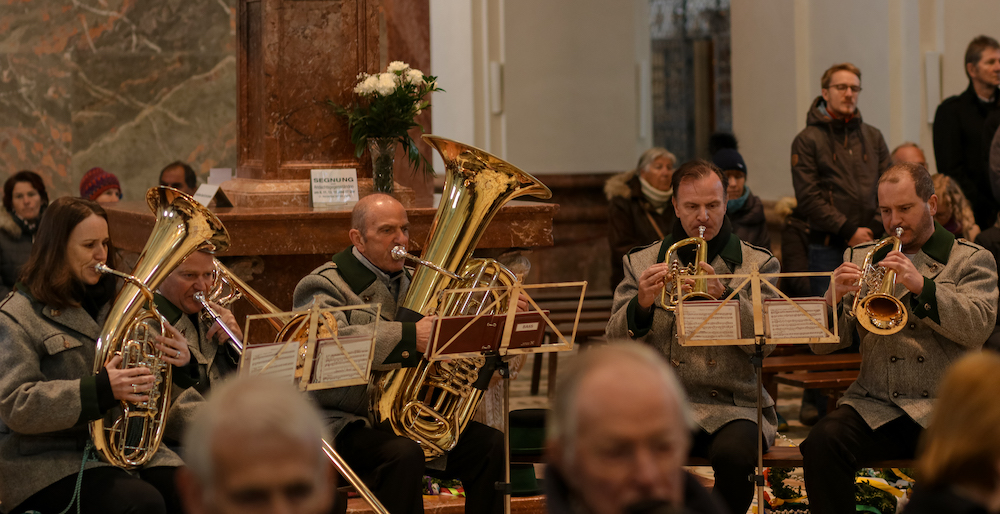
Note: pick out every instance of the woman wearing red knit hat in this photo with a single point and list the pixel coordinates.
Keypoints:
(100, 186)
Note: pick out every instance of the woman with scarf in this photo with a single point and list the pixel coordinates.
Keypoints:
(24, 201)
(639, 208)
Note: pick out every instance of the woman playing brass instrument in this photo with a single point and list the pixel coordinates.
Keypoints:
(48, 392)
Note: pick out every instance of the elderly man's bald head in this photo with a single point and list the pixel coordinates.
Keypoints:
(378, 224)
(361, 214)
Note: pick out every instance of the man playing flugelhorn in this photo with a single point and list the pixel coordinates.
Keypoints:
(949, 289)
(719, 380)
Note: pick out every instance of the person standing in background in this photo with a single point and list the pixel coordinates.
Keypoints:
(24, 201)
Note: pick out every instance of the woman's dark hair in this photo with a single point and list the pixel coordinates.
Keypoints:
(46, 274)
(24, 176)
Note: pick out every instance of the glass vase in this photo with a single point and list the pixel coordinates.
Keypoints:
(383, 152)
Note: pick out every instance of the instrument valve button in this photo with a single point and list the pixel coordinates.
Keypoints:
(925, 394)
(714, 393)
(893, 359)
(895, 394)
(920, 358)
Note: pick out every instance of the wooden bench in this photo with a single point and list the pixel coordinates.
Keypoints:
(791, 457)
(805, 362)
(447, 504)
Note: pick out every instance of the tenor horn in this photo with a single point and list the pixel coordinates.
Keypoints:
(129, 434)
(672, 293)
(434, 401)
(875, 306)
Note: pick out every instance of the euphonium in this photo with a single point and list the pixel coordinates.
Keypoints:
(433, 402)
(672, 292)
(129, 434)
(875, 306)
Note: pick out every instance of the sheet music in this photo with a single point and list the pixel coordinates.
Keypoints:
(332, 366)
(784, 320)
(724, 325)
(283, 367)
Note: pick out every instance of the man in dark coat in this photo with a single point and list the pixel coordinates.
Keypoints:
(836, 161)
(960, 142)
(743, 208)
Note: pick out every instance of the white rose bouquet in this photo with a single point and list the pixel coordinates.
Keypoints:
(387, 105)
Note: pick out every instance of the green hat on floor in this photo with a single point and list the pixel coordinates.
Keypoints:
(527, 431)
(523, 481)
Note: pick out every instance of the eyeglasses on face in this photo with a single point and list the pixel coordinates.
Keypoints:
(844, 87)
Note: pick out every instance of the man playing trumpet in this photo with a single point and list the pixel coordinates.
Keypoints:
(949, 290)
(720, 381)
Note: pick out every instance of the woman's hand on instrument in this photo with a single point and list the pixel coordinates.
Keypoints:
(131, 384)
(651, 283)
(174, 347)
(227, 317)
(906, 272)
(845, 279)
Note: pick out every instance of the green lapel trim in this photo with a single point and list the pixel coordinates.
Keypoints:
(167, 309)
(357, 275)
(664, 246)
(938, 247)
(731, 253)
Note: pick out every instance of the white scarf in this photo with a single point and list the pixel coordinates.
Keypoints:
(658, 199)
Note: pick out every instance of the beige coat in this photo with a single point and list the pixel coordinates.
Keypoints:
(720, 381)
(44, 354)
(954, 314)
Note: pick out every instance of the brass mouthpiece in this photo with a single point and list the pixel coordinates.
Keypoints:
(899, 232)
(399, 253)
(701, 231)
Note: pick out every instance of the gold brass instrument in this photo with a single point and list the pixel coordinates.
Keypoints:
(129, 434)
(241, 289)
(433, 402)
(672, 293)
(875, 306)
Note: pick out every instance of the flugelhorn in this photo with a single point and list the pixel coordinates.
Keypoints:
(875, 306)
(672, 293)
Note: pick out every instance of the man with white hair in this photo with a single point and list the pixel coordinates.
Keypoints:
(255, 447)
(619, 434)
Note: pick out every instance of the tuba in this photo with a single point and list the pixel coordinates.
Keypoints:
(129, 434)
(672, 293)
(875, 306)
(434, 401)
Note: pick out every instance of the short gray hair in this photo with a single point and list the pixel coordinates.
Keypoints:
(562, 424)
(255, 406)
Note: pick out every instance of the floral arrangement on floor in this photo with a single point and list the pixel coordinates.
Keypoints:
(877, 491)
(387, 106)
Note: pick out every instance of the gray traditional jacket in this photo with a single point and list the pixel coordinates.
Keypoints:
(346, 281)
(212, 361)
(47, 396)
(720, 381)
(954, 314)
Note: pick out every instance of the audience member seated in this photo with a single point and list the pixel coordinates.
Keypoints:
(181, 176)
(959, 466)
(909, 152)
(48, 389)
(24, 201)
(619, 434)
(100, 186)
(954, 212)
(639, 208)
(744, 209)
(255, 447)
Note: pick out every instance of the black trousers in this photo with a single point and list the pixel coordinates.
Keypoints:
(110, 490)
(732, 450)
(393, 467)
(842, 443)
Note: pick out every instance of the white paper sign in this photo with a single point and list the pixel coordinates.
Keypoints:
(724, 325)
(332, 366)
(262, 361)
(333, 188)
(205, 193)
(785, 321)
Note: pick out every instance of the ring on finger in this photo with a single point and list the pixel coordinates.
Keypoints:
(178, 356)
(134, 390)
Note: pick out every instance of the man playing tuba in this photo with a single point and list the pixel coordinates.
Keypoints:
(719, 380)
(949, 288)
(392, 466)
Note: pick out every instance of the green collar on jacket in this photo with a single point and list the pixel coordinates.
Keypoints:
(938, 247)
(167, 308)
(356, 274)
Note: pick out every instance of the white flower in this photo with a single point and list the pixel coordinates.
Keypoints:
(386, 84)
(395, 66)
(415, 77)
(367, 86)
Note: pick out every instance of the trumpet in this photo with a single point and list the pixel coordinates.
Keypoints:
(875, 306)
(672, 293)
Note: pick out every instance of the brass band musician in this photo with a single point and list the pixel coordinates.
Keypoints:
(391, 466)
(720, 381)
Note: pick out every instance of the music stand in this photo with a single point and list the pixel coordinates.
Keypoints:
(512, 333)
(763, 330)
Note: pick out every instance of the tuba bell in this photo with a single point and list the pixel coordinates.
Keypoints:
(129, 434)
(434, 401)
(875, 306)
(672, 293)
